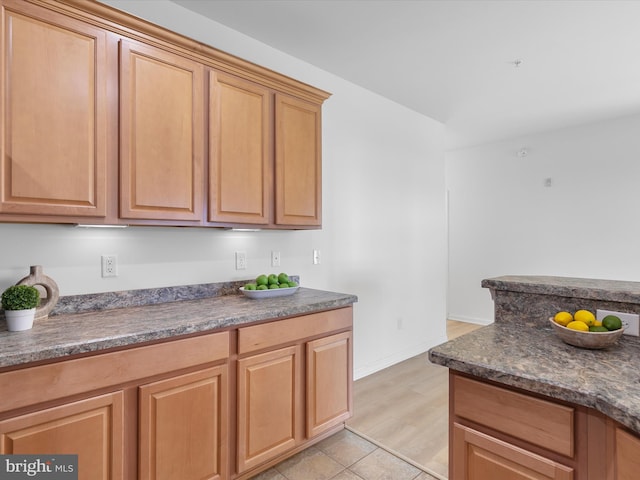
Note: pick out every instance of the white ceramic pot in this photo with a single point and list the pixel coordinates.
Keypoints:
(18, 320)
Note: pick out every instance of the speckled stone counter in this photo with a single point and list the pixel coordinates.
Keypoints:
(536, 298)
(521, 350)
(67, 334)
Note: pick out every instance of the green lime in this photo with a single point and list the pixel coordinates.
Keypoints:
(611, 322)
(283, 278)
(262, 287)
(284, 285)
(273, 286)
(292, 284)
(250, 286)
(272, 279)
(597, 328)
(262, 280)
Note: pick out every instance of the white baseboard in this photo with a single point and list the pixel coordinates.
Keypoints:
(474, 320)
(398, 357)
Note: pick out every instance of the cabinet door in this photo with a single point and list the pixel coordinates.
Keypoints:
(161, 134)
(476, 456)
(298, 174)
(54, 114)
(329, 378)
(240, 172)
(183, 427)
(92, 429)
(269, 405)
(627, 455)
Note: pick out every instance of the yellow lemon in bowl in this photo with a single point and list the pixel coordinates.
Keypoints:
(563, 318)
(578, 325)
(585, 316)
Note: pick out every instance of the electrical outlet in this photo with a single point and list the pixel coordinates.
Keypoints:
(275, 259)
(630, 321)
(316, 257)
(109, 265)
(241, 260)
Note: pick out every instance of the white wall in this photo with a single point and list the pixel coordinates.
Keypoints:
(383, 236)
(504, 221)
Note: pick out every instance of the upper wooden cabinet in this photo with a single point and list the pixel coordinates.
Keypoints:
(110, 117)
(161, 134)
(298, 162)
(54, 114)
(240, 172)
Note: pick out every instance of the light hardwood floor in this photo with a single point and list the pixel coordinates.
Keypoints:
(405, 409)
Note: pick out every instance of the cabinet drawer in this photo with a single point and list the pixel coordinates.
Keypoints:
(281, 332)
(57, 380)
(533, 420)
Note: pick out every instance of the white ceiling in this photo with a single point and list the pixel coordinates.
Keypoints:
(454, 60)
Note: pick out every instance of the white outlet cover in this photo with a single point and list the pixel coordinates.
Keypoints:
(631, 321)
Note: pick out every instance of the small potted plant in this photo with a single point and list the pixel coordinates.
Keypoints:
(19, 303)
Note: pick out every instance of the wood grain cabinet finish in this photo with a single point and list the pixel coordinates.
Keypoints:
(269, 405)
(501, 434)
(482, 457)
(91, 428)
(111, 118)
(627, 455)
(177, 428)
(329, 379)
(536, 421)
(161, 134)
(298, 166)
(294, 384)
(183, 427)
(240, 162)
(54, 115)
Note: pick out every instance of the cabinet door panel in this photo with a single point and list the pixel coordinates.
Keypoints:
(92, 429)
(329, 379)
(183, 427)
(481, 457)
(161, 134)
(269, 405)
(54, 114)
(240, 173)
(627, 455)
(298, 176)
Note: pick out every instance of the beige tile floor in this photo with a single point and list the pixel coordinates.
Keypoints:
(344, 456)
(398, 431)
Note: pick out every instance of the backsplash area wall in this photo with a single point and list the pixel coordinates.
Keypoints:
(148, 256)
(504, 220)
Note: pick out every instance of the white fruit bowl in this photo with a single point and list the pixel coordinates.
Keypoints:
(271, 293)
(593, 340)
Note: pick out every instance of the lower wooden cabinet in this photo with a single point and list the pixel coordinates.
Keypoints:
(627, 456)
(501, 433)
(481, 457)
(218, 406)
(329, 378)
(92, 428)
(183, 429)
(269, 405)
(294, 384)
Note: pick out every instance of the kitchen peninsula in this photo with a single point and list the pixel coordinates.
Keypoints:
(180, 382)
(522, 402)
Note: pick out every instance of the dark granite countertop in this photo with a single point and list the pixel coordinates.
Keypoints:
(529, 356)
(584, 288)
(91, 331)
